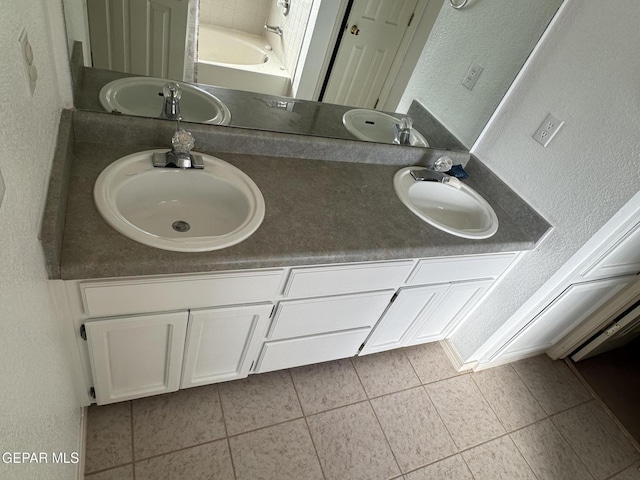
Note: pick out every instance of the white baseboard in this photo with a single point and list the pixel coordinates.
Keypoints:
(455, 358)
(503, 360)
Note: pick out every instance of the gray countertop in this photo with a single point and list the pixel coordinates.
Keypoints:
(318, 211)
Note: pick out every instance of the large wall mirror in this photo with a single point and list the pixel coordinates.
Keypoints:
(300, 65)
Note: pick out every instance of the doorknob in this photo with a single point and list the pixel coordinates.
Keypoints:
(355, 30)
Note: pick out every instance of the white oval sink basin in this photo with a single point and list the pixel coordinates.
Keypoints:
(374, 126)
(142, 96)
(461, 212)
(190, 210)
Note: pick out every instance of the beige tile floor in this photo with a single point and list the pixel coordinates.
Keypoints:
(404, 414)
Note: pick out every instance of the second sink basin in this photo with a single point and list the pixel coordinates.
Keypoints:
(142, 96)
(461, 212)
(191, 210)
(374, 126)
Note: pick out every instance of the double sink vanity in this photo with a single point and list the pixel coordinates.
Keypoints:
(284, 250)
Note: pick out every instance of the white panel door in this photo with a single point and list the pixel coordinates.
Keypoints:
(412, 306)
(145, 37)
(566, 312)
(368, 47)
(223, 342)
(133, 357)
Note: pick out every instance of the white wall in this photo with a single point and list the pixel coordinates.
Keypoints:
(245, 15)
(497, 34)
(38, 407)
(287, 47)
(585, 71)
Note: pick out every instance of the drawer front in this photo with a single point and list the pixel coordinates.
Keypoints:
(137, 295)
(297, 318)
(444, 270)
(334, 280)
(307, 350)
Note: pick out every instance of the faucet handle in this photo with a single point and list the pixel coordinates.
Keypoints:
(182, 141)
(405, 123)
(172, 91)
(443, 164)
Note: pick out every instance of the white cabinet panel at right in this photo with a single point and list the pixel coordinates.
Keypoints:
(567, 311)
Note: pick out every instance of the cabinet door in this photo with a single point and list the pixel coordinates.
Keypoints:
(135, 357)
(222, 343)
(411, 306)
(453, 305)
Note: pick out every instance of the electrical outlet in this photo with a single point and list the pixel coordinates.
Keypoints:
(472, 75)
(547, 130)
(26, 55)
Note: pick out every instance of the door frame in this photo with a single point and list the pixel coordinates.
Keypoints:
(312, 75)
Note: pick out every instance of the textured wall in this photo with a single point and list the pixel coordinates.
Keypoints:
(38, 405)
(585, 72)
(499, 35)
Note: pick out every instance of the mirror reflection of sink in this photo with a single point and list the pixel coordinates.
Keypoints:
(184, 210)
(374, 126)
(142, 96)
(461, 212)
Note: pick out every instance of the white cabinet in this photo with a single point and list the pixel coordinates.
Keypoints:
(136, 356)
(411, 306)
(317, 330)
(567, 311)
(424, 314)
(222, 343)
(228, 325)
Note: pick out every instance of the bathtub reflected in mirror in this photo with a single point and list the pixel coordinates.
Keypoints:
(242, 61)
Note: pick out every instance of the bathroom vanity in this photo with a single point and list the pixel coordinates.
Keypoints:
(339, 267)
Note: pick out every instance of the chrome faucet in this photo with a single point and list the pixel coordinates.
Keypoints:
(402, 131)
(171, 108)
(435, 173)
(180, 155)
(273, 29)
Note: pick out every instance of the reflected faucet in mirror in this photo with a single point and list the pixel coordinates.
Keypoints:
(171, 108)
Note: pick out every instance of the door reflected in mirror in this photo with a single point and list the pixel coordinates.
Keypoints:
(327, 50)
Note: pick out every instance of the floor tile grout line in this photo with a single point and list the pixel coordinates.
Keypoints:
(226, 432)
(133, 446)
(473, 380)
(306, 422)
(522, 454)
(102, 470)
(386, 438)
(600, 402)
(424, 387)
(569, 443)
(572, 447)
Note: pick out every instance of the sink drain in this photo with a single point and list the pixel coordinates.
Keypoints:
(180, 226)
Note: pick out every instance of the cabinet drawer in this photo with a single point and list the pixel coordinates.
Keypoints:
(332, 280)
(103, 298)
(444, 270)
(307, 350)
(297, 318)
